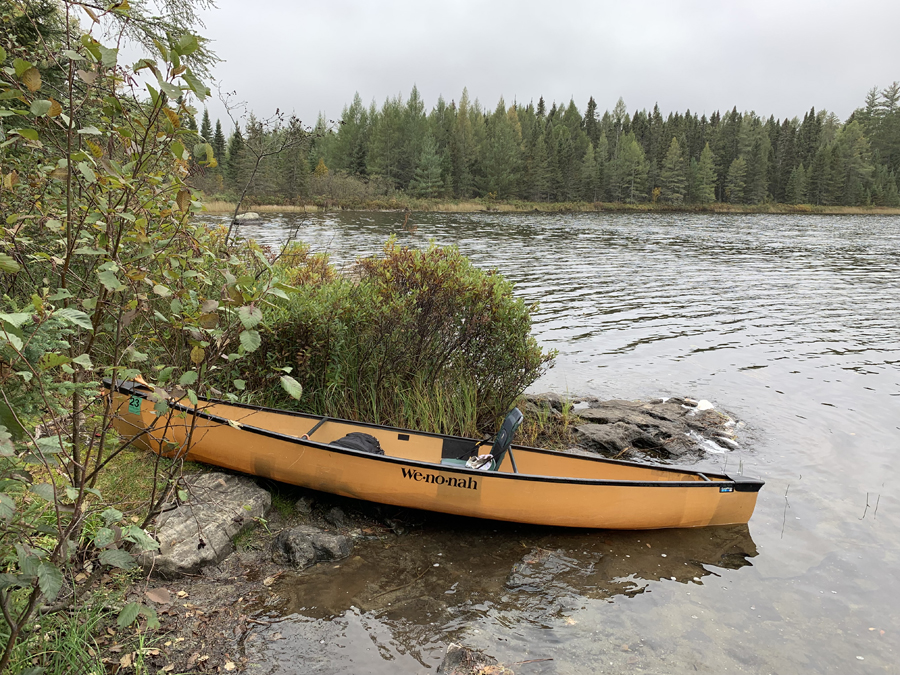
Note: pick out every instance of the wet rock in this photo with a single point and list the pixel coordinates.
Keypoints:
(537, 571)
(336, 517)
(663, 427)
(304, 546)
(461, 660)
(199, 532)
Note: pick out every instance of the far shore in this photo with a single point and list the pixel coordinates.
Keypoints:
(437, 206)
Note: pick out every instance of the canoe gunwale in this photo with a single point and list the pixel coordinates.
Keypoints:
(737, 483)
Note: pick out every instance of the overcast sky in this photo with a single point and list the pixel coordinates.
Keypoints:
(777, 57)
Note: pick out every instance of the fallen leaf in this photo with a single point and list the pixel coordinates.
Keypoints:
(161, 596)
(169, 668)
(277, 636)
(230, 665)
(182, 594)
(116, 648)
(127, 660)
(268, 581)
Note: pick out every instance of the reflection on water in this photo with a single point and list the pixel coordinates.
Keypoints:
(434, 585)
(791, 324)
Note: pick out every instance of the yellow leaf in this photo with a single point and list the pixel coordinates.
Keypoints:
(90, 14)
(59, 173)
(173, 118)
(11, 179)
(55, 109)
(197, 355)
(183, 199)
(31, 78)
(96, 150)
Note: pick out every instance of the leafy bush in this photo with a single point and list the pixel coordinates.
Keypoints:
(421, 339)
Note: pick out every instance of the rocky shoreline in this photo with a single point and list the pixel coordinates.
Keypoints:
(204, 586)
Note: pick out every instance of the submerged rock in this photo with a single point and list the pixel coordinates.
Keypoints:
(461, 660)
(304, 546)
(200, 532)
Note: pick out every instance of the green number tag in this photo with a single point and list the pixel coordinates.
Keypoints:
(134, 405)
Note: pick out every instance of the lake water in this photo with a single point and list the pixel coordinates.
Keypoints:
(791, 324)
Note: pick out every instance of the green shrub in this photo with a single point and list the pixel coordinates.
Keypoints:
(421, 339)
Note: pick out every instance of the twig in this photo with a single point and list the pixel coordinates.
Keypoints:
(391, 590)
(786, 507)
(519, 663)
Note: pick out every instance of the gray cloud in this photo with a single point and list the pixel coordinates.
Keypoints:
(774, 57)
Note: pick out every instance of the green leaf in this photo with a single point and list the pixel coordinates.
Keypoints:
(110, 280)
(72, 493)
(250, 340)
(14, 340)
(177, 150)
(128, 614)
(162, 291)
(52, 360)
(108, 56)
(61, 294)
(50, 445)
(73, 55)
(17, 319)
(104, 537)
(40, 107)
(111, 515)
(30, 134)
(187, 44)
(250, 316)
(115, 557)
(8, 265)
(292, 387)
(189, 377)
(170, 89)
(7, 449)
(137, 535)
(165, 374)
(84, 361)
(192, 397)
(49, 580)
(2, 55)
(196, 84)
(240, 385)
(7, 506)
(150, 614)
(11, 422)
(92, 130)
(21, 66)
(74, 316)
(87, 172)
(44, 491)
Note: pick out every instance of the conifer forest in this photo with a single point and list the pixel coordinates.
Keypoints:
(558, 153)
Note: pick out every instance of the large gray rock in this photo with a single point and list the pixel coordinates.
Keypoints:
(200, 532)
(305, 545)
(663, 428)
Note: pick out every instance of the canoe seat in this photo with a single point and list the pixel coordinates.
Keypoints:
(452, 461)
(504, 437)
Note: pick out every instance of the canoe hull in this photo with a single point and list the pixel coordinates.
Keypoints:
(568, 501)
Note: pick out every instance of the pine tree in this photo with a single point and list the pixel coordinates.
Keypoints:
(630, 171)
(462, 148)
(233, 168)
(590, 178)
(736, 181)
(706, 177)
(795, 190)
(206, 127)
(218, 143)
(501, 155)
(673, 176)
(427, 181)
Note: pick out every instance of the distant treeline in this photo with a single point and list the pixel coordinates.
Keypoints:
(529, 152)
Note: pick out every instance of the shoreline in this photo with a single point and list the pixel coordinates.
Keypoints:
(435, 206)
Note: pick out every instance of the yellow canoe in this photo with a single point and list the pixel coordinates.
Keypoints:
(422, 470)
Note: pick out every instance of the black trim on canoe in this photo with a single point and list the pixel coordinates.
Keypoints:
(738, 483)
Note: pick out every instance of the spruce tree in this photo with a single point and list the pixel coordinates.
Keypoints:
(673, 176)
(736, 182)
(706, 177)
(590, 178)
(206, 127)
(427, 181)
(218, 143)
(795, 190)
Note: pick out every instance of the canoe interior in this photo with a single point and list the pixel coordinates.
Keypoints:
(549, 488)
